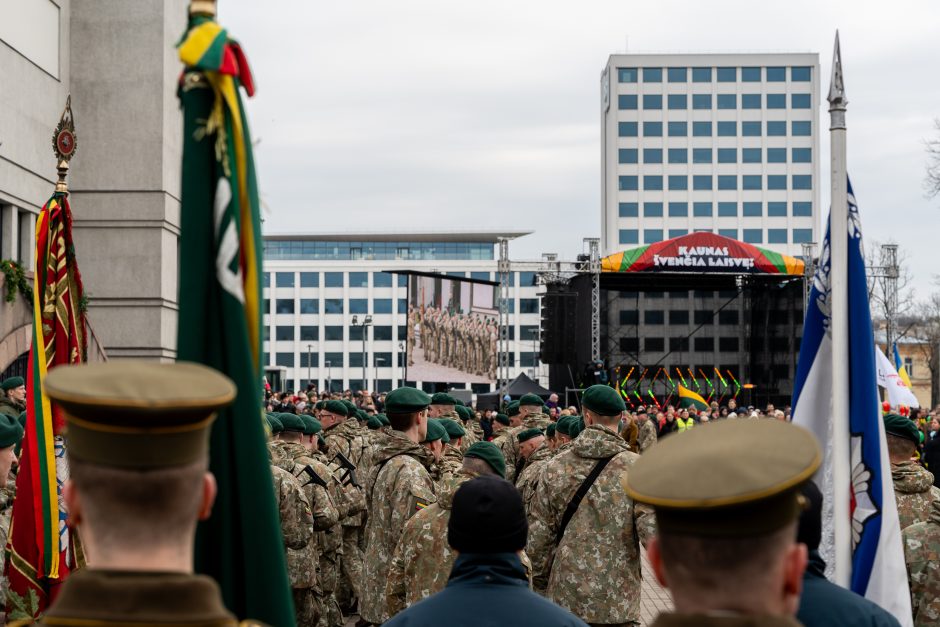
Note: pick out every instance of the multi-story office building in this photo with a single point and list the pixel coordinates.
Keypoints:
(316, 285)
(726, 143)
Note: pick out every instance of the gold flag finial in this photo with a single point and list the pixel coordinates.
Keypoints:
(63, 143)
(202, 7)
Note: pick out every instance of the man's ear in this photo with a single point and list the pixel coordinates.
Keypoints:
(655, 555)
(209, 491)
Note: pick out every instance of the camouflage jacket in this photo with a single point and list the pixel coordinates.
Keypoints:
(595, 570)
(11, 408)
(399, 487)
(914, 491)
(347, 438)
(294, 458)
(450, 464)
(6, 514)
(528, 481)
(423, 560)
(509, 445)
(922, 555)
(647, 436)
(297, 529)
(536, 421)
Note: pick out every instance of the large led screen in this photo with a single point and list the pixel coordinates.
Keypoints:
(452, 330)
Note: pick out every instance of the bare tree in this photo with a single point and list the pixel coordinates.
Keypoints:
(928, 330)
(932, 177)
(879, 286)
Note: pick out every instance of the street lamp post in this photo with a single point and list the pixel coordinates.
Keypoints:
(378, 363)
(309, 380)
(366, 322)
(535, 351)
(329, 377)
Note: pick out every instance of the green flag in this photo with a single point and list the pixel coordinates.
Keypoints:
(241, 545)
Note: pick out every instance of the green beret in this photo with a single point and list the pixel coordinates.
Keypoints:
(490, 453)
(291, 422)
(139, 414)
(436, 431)
(577, 426)
(502, 419)
(603, 400)
(564, 425)
(550, 430)
(443, 398)
(336, 407)
(528, 434)
(531, 399)
(459, 403)
(464, 412)
(312, 426)
(512, 409)
(275, 422)
(350, 407)
(406, 401)
(384, 419)
(374, 423)
(453, 428)
(11, 433)
(12, 383)
(901, 427)
(320, 405)
(752, 487)
(362, 415)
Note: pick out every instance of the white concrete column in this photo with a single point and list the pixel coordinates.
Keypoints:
(27, 239)
(9, 240)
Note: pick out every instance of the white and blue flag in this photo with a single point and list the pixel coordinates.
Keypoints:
(877, 563)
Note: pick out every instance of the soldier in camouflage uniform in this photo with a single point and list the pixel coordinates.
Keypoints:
(434, 441)
(531, 408)
(601, 585)
(297, 529)
(535, 450)
(922, 554)
(11, 434)
(647, 431)
(452, 457)
(506, 440)
(399, 486)
(913, 484)
(466, 422)
(12, 397)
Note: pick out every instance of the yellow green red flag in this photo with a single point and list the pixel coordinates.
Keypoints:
(690, 400)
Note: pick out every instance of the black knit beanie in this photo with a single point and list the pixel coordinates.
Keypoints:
(487, 516)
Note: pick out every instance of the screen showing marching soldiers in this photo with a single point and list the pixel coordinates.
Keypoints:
(452, 330)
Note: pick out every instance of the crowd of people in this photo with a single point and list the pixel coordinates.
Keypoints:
(466, 342)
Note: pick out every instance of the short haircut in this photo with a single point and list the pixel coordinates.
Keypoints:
(604, 420)
(900, 447)
(402, 422)
(479, 466)
(130, 507)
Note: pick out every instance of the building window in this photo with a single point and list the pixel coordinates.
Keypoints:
(358, 279)
(750, 155)
(528, 305)
(677, 233)
(727, 155)
(699, 155)
(381, 306)
(702, 209)
(753, 236)
(680, 344)
(629, 317)
(750, 101)
(333, 305)
(909, 366)
(678, 209)
(628, 183)
(652, 129)
(381, 279)
(728, 317)
(652, 75)
(801, 129)
(750, 74)
(284, 334)
(727, 129)
(751, 210)
(727, 74)
(652, 182)
(284, 279)
(629, 210)
(678, 155)
(801, 155)
(704, 344)
(802, 209)
(629, 236)
(284, 305)
(750, 129)
(732, 233)
(654, 344)
(677, 75)
(678, 129)
(701, 75)
(701, 129)
(333, 279)
(678, 101)
(652, 210)
(309, 279)
(679, 316)
(402, 280)
(333, 333)
(728, 344)
(800, 101)
(626, 102)
(403, 305)
(776, 181)
(265, 279)
(652, 101)
(800, 74)
(627, 155)
(309, 333)
(701, 101)
(629, 344)
(627, 129)
(333, 360)
(802, 236)
(776, 155)
(776, 236)
(678, 183)
(727, 210)
(702, 182)
(309, 306)
(777, 209)
(654, 316)
(727, 101)
(311, 360)
(776, 75)
(652, 155)
(776, 101)
(802, 181)
(727, 181)
(776, 129)
(627, 74)
(285, 360)
(358, 305)
(651, 236)
(383, 333)
(751, 181)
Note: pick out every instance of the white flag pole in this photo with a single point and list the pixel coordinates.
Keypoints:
(838, 212)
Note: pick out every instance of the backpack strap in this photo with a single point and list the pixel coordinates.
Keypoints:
(575, 501)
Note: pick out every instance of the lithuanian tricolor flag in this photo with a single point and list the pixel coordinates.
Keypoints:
(690, 400)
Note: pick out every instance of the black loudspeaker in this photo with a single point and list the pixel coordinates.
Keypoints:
(559, 325)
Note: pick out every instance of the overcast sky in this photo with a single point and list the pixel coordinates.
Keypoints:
(424, 115)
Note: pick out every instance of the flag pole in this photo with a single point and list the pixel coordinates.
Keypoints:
(840, 330)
